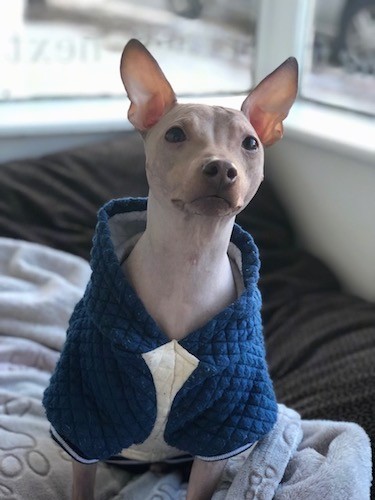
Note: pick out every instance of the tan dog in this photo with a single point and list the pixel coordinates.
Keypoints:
(204, 164)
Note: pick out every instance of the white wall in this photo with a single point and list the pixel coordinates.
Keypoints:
(22, 147)
(32, 128)
(330, 197)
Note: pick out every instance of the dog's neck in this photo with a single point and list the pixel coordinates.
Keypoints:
(180, 268)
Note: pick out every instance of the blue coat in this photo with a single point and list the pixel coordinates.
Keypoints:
(101, 398)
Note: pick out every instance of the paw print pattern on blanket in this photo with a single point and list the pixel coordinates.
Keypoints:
(38, 290)
(18, 449)
(262, 485)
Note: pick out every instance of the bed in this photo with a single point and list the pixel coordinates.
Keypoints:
(320, 340)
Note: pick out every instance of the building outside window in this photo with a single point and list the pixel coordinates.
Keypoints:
(71, 48)
(340, 68)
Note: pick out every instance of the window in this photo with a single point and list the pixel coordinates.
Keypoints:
(72, 48)
(341, 69)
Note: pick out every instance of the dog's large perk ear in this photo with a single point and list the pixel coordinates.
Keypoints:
(269, 103)
(150, 93)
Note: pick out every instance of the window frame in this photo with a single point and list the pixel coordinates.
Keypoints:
(291, 25)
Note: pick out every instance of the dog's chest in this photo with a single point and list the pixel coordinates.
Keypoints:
(170, 365)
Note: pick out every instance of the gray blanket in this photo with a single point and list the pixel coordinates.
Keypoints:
(299, 460)
(38, 290)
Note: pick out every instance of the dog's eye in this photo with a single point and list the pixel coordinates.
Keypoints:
(175, 134)
(250, 143)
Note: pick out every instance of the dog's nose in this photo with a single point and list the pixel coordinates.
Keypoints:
(221, 171)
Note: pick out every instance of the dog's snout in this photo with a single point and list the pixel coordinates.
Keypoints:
(220, 170)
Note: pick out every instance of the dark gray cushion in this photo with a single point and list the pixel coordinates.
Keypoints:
(53, 200)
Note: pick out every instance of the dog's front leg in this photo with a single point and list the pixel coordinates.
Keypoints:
(204, 478)
(83, 481)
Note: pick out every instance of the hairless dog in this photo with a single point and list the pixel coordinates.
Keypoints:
(204, 164)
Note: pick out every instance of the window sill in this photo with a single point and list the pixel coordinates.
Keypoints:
(67, 116)
(62, 117)
(345, 132)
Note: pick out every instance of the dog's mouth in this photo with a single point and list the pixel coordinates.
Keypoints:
(211, 205)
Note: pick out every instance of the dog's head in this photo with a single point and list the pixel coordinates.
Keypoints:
(204, 160)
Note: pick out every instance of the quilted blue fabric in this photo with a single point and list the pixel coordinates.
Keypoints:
(101, 398)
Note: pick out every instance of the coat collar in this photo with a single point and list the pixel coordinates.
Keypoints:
(109, 281)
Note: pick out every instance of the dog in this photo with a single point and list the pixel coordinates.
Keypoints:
(204, 164)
